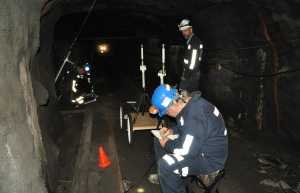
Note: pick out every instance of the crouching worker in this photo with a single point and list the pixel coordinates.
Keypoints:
(202, 144)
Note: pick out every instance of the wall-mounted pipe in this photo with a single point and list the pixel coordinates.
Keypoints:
(275, 68)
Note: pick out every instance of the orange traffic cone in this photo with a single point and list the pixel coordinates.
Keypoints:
(104, 161)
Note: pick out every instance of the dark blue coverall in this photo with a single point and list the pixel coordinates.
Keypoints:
(190, 78)
(201, 148)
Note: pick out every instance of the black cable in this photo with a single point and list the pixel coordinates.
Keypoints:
(249, 47)
(259, 76)
(244, 48)
(233, 49)
(69, 51)
(82, 25)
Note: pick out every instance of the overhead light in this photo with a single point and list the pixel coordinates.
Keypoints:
(103, 48)
(140, 190)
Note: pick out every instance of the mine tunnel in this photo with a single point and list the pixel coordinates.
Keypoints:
(74, 106)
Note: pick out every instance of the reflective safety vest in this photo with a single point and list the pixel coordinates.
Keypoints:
(191, 63)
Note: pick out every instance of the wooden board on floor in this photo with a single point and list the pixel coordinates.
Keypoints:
(143, 122)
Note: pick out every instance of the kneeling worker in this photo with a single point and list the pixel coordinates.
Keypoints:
(202, 145)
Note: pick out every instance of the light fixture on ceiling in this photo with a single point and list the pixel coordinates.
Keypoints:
(103, 48)
(140, 190)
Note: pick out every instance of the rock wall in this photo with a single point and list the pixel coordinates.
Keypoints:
(234, 38)
(21, 147)
(50, 120)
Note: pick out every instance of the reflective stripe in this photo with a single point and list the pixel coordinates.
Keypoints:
(79, 98)
(186, 61)
(168, 159)
(200, 58)
(189, 46)
(181, 121)
(193, 60)
(186, 146)
(74, 89)
(216, 112)
(178, 157)
(176, 171)
(185, 171)
(201, 46)
(81, 101)
(225, 132)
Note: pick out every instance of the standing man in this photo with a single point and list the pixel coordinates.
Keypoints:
(201, 147)
(192, 57)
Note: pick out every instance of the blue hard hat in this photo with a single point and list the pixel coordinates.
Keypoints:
(162, 98)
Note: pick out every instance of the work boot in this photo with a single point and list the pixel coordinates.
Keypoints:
(153, 179)
(209, 179)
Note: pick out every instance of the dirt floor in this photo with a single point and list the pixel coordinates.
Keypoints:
(254, 165)
(249, 167)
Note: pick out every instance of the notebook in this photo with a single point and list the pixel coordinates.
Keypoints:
(157, 135)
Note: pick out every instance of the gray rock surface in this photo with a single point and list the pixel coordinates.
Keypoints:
(21, 147)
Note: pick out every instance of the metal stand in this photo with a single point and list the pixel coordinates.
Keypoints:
(132, 113)
(144, 99)
(162, 73)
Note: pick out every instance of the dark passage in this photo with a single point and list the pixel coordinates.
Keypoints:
(68, 66)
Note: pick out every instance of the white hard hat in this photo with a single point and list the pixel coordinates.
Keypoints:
(184, 24)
